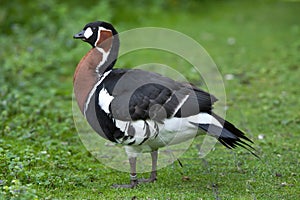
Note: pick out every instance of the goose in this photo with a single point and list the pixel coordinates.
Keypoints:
(142, 110)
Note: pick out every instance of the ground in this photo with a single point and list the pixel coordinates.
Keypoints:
(256, 47)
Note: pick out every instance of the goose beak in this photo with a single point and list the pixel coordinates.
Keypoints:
(79, 35)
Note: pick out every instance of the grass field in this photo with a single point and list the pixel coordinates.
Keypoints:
(254, 43)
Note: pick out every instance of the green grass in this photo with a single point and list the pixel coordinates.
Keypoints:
(41, 155)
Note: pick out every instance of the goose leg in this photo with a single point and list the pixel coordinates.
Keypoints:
(153, 175)
(133, 175)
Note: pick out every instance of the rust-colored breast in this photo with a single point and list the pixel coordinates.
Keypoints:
(85, 76)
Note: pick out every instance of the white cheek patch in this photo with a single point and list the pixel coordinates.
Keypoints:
(88, 33)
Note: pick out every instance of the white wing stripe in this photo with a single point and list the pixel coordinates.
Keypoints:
(180, 104)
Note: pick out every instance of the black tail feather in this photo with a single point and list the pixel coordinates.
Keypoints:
(230, 127)
(229, 135)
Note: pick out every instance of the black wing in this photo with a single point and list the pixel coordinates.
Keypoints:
(145, 95)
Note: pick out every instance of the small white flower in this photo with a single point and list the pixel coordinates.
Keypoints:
(261, 136)
(229, 77)
(231, 40)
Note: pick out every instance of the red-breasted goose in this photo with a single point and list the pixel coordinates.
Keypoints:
(142, 110)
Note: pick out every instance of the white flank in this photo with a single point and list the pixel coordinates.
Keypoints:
(175, 131)
(88, 33)
(105, 100)
(205, 118)
(176, 124)
(93, 91)
(141, 130)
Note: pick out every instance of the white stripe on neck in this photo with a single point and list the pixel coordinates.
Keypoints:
(93, 91)
(104, 58)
